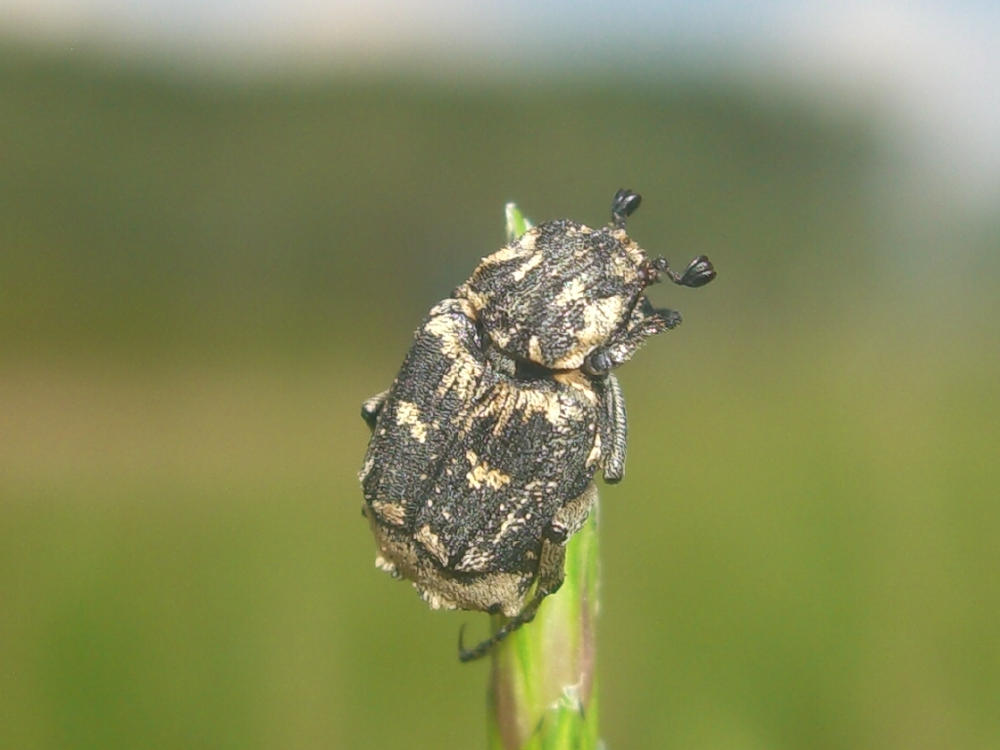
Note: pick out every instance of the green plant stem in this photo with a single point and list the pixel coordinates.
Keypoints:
(543, 686)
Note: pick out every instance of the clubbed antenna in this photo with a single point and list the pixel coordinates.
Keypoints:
(624, 205)
(699, 272)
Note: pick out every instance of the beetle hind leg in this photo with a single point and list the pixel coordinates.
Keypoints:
(551, 574)
(551, 570)
(482, 648)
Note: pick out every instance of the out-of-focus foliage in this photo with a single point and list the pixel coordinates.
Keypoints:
(201, 278)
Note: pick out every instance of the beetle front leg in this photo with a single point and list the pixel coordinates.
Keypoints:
(622, 348)
(371, 407)
(614, 430)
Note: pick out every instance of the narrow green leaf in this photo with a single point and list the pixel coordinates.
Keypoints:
(517, 223)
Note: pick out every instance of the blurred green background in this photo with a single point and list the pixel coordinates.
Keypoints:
(203, 274)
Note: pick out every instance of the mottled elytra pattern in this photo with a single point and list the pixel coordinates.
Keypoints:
(484, 448)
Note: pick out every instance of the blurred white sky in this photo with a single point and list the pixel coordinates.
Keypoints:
(934, 66)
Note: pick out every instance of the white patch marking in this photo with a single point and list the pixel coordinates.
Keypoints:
(384, 565)
(600, 318)
(534, 349)
(595, 452)
(408, 413)
(481, 474)
(367, 468)
(393, 513)
(430, 540)
(475, 559)
(571, 293)
(505, 253)
(533, 262)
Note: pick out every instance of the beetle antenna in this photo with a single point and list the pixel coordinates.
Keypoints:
(624, 205)
(699, 272)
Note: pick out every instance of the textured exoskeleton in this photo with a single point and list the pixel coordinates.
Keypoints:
(483, 450)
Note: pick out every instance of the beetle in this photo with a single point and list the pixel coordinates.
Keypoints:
(482, 451)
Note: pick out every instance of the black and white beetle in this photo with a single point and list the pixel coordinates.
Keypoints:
(483, 450)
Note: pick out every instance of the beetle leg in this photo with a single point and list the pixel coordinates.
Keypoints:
(482, 648)
(371, 407)
(623, 347)
(550, 577)
(551, 570)
(614, 433)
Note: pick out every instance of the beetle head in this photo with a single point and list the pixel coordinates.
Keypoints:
(562, 289)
